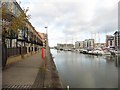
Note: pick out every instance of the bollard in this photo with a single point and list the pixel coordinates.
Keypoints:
(43, 57)
(68, 87)
(43, 53)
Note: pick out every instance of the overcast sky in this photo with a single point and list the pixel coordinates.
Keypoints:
(73, 20)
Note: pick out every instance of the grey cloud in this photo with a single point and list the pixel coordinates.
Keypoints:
(105, 20)
(71, 17)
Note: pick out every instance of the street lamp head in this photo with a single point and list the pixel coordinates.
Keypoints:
(46, 30)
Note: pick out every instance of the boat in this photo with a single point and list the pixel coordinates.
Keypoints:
(101, 51)
(116, 52)
(65, 49)
(69, 49)
(81, 50)
(85, 51)
(61, 49)
(97, 52)
(106, 52)
(90, 52)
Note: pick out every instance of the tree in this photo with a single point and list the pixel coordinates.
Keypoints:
(11, 25)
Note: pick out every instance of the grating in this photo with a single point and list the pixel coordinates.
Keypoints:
(17, 87)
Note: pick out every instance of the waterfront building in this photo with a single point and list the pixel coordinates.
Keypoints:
(90, 43)
(110, 42)
(65, 46)
(99, 45)
(86, 43)
(44, 38)
(117, 39)
(79, 45)
(42, 35)
(59, 46)
(27, 40)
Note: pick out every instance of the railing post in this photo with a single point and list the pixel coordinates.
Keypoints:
(4, 55)
(22, 52)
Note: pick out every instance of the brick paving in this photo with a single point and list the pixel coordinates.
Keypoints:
(22, 72)
(31, 71)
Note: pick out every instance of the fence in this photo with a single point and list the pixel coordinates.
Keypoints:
(7, 52)
(16, 51)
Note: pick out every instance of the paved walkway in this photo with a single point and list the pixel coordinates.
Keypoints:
(31, 73)
(23, 72)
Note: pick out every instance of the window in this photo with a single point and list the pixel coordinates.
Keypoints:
(14, 42)
(7, 43)
(110, 42)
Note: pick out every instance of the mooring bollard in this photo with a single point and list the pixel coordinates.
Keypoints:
(68, 87)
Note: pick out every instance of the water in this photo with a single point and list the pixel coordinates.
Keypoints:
(86, 71)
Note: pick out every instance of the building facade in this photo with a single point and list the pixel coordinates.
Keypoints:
(79, 45)
(65, 46)
(85, 43)
(89, 43)
(117, 39)
(110, 42)
(27, 40)
(100, 45)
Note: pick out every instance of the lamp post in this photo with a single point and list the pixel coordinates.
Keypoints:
(46, 30)
(46, 39)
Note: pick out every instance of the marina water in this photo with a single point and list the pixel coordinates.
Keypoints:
(86, 71)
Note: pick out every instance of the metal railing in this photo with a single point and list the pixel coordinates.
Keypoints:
(16, 51)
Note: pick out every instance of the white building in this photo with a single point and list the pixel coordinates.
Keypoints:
(86, 43)
(65, 46)
(91, 43)
(79, 44)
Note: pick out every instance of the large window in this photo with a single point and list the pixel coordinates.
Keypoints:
(7, 43)
(20, 35)
(14, 42)
(110, 42)
(19, 44)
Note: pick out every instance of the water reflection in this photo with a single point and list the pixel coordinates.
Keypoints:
(117, 61)
(86, 71)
